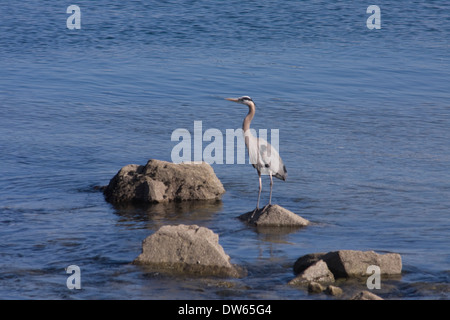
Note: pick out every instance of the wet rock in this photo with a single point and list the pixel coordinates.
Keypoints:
(273, 216)
(366, 295)
(326, 267)
(307, 260)
(186, 249)
(333, 291)
(317, 272)
(315, 287)
(161, 181)
(348, 263)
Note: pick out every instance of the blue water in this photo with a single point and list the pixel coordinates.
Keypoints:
(364, 120)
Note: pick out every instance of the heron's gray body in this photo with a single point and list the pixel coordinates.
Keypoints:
(264, 158)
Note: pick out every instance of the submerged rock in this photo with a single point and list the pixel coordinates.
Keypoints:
(366, 295)
(333, 291)
(161, 181)
(273, 216)
(315, 287)
(186, 249)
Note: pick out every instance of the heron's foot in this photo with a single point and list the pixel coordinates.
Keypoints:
(266, 207)
(253, 213)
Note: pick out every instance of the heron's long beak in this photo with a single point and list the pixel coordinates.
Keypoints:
(232, 99)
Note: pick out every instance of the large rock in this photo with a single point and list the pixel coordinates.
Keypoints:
(349, 263)
(161, 181)
(273, 216)
(317, 272)
(187, 249)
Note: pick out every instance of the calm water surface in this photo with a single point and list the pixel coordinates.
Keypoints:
(364, 118)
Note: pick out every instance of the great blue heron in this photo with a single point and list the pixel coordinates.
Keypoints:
(264, 158)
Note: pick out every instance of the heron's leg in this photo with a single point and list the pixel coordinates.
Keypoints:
(271, 183)
(259, 192)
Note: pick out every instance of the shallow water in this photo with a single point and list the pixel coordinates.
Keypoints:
(364, 120)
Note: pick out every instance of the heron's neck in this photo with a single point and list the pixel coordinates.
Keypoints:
(249, 117)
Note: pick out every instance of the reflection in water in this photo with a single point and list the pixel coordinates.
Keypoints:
(159, 214)
(276, 234)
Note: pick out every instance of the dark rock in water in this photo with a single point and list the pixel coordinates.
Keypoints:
(161, 181)
(186, 249)
(317, 272)
(273, 216)
(306, 261)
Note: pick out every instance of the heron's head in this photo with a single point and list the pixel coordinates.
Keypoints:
(243, 100)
